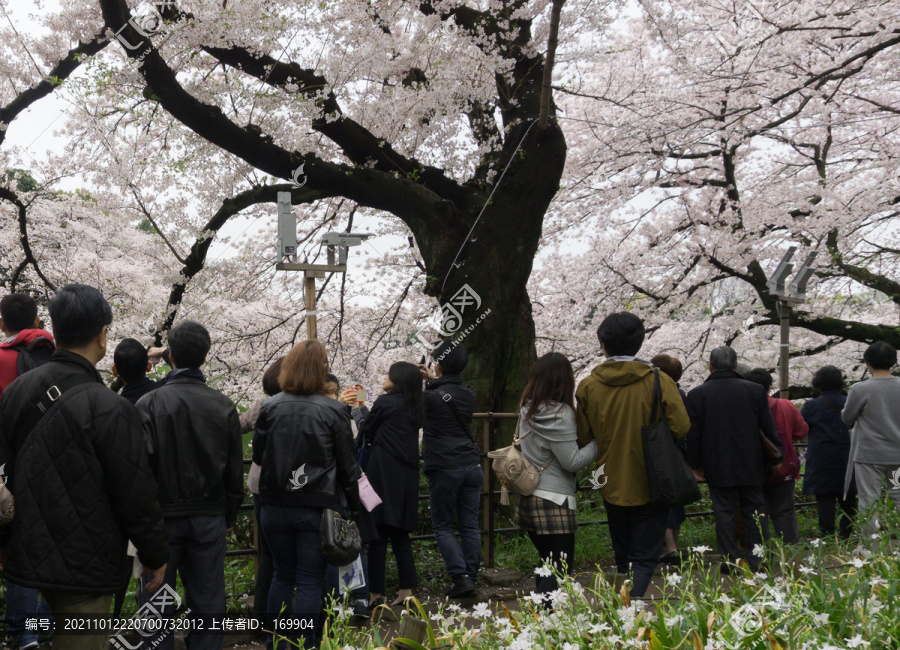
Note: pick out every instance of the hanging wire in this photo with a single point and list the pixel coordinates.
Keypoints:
(484, 207)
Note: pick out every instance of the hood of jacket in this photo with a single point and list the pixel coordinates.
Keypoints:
(26, 336)
(621, 373)
(554, 422)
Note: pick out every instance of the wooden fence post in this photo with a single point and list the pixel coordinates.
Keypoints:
(488, 513)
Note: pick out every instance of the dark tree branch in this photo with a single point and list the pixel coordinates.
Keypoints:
(862, 275)
(358, 144)
(60, 72)
(22, 211)
(552, 40)
(152, 221)
(373, 188)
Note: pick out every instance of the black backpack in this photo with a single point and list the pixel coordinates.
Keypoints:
(33, 354)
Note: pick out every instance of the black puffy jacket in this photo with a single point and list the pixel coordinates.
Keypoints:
(194, 439)
(304, 445)
(81, 481)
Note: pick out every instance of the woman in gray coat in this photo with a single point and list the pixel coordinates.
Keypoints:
(548, 439)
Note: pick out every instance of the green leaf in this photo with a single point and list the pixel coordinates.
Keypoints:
(412, 644)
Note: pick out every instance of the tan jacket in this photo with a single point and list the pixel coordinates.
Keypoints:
(613, 404)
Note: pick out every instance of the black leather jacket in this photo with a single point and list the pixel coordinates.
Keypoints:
(194, 439)
(81, 482)
(304, 445)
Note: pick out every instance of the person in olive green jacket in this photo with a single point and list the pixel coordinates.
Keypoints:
(613, 404)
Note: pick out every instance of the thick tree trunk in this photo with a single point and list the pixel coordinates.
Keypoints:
(496, 263)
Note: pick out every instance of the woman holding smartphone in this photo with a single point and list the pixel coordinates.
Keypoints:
(391, 431)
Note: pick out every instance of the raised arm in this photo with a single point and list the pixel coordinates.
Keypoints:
(582, 421)
(367, 422)
(799, 427)
(695, 434)
(676, 413)
(130, 484)
(248, 417)
(852, 407)
(766, 421)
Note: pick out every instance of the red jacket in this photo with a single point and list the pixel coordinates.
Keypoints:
(8, 356)
(791, 426)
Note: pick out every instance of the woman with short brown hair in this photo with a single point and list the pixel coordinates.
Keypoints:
(304, 369)
(304, 445)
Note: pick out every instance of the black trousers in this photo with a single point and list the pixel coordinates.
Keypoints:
(780, 509)
(637, 533)
(752, 505)
(552, 549)
(197, 553)
(403, 553)
(826, 506)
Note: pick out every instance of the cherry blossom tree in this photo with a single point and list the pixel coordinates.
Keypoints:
(424, 111)
(687, 143)
(718, 133)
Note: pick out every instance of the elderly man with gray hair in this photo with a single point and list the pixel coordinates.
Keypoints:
(727, 414)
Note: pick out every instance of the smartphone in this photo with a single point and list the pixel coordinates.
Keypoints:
(422, 362)
(362, 396)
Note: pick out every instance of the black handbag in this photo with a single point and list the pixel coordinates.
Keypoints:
(773, 456)
(341, 541)
(669, 474)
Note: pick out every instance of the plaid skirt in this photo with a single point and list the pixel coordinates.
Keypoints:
(544, 517)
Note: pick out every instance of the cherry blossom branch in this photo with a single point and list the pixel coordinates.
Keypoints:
(156, 227)
(196, 259)
(862, 275)
(22, 211)
(357, 143)
(412, 202)
(60, 72)
(396, 312)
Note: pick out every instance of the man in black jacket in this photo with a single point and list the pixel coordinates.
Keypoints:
(131, 364)
(455, 477)
(727, 414)
(80, 474)
(194, 439)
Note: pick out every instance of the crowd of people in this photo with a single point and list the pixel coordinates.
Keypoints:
(158, 469)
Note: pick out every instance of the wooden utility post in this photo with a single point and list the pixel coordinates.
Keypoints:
(311, 272)
(310, 290)
(784, 358)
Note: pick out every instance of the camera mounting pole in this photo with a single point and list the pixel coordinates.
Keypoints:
(795, 294)
(287, 249)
